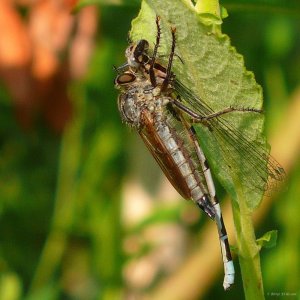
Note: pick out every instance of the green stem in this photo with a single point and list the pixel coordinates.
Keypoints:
(248, 252)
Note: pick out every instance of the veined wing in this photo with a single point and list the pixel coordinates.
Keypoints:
(165, 161)
(258, 169)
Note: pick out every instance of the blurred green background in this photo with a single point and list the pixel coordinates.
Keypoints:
(85, 213)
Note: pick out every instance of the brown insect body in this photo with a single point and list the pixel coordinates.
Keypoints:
(144, 107)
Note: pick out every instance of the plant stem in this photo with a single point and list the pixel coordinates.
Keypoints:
(248, 252)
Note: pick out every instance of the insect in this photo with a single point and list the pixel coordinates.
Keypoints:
(151, 102)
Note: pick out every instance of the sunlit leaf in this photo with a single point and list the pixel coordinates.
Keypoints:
(215, 72)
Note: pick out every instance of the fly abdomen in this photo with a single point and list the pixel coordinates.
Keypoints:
(188, 183)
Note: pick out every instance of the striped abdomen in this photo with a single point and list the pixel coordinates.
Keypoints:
(175, 159)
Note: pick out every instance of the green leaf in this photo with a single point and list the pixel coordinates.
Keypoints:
(268, 240)
(10, 286)
(210, 12)
(215, 72)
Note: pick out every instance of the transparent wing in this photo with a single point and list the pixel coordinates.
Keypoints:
(245, 156)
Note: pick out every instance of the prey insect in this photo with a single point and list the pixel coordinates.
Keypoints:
(151, 102)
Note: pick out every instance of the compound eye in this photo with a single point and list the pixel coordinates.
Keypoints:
(125, 78)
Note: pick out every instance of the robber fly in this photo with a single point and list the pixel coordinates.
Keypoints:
(150, 102)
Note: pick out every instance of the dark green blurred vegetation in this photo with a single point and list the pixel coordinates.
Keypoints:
(62, 234)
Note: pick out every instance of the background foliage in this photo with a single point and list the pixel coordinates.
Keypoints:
(84, 211)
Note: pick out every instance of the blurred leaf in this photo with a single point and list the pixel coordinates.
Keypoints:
(274, 6)
(279, 37)
(10, 287)
(83, 3)
(268, 240)
(282, 265)
(48, 292)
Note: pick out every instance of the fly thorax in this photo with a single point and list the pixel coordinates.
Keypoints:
(129, 109)
(160, 104)
(156, 91)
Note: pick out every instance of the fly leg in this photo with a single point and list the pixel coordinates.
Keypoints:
(169, 74)
(202, 119)
(154, 55)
